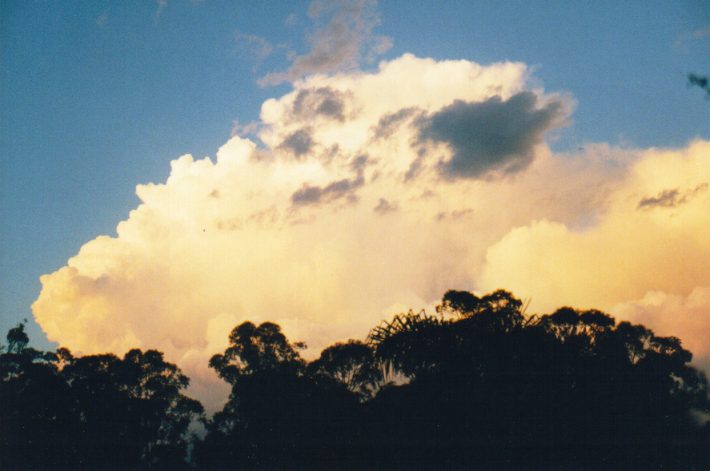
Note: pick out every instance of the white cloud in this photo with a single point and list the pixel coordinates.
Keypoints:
(223, 241)
(683, 316)
(643, 247)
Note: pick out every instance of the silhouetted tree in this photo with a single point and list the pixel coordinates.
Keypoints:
(492, 387)
(36, 408)
(255, 349)
(132, 411)
(278, 416)
(92, 412)
(478, 385)
(351, 364)
(410, 342)
(17, 339)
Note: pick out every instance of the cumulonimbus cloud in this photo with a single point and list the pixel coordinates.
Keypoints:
(332, 240)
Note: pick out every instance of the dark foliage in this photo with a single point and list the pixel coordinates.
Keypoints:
(478, 385)
(278, 416)
(493, 388)
(93, 412)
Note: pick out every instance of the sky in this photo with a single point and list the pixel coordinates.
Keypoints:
(171, 168)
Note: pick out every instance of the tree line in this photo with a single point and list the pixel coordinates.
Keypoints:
(477, 385)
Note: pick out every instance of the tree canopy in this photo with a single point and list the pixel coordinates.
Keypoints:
(91, 412)
(480, 384)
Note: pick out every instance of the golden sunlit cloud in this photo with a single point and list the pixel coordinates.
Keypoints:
(368, 192)
(646, 259)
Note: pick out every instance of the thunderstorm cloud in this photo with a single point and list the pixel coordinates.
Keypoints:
(324, 228)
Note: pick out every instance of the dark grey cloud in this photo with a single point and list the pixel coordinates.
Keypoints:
(670, 198)
(299, 143)
(493, 136)
(389, 123)
(416, 166)
(340, 189)
(324, 101)
(343, 36)
(456, 214)
(383, 207)
(703, 82)
(337, 190)
(359, 164)
(665, 199)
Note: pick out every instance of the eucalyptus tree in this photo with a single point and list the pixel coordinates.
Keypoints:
(60, 411)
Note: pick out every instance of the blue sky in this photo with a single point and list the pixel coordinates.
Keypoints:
(96, 97)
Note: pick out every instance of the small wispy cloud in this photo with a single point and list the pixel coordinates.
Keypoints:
(249, 129)
(323, 101)
(162, 5)
(337, 190)
(665, 199)
(384, 206)
(701, 33)
(291, 20)
(102, 19)
(685, 40)
(671, 198)
(254, 45)
(342, 39)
